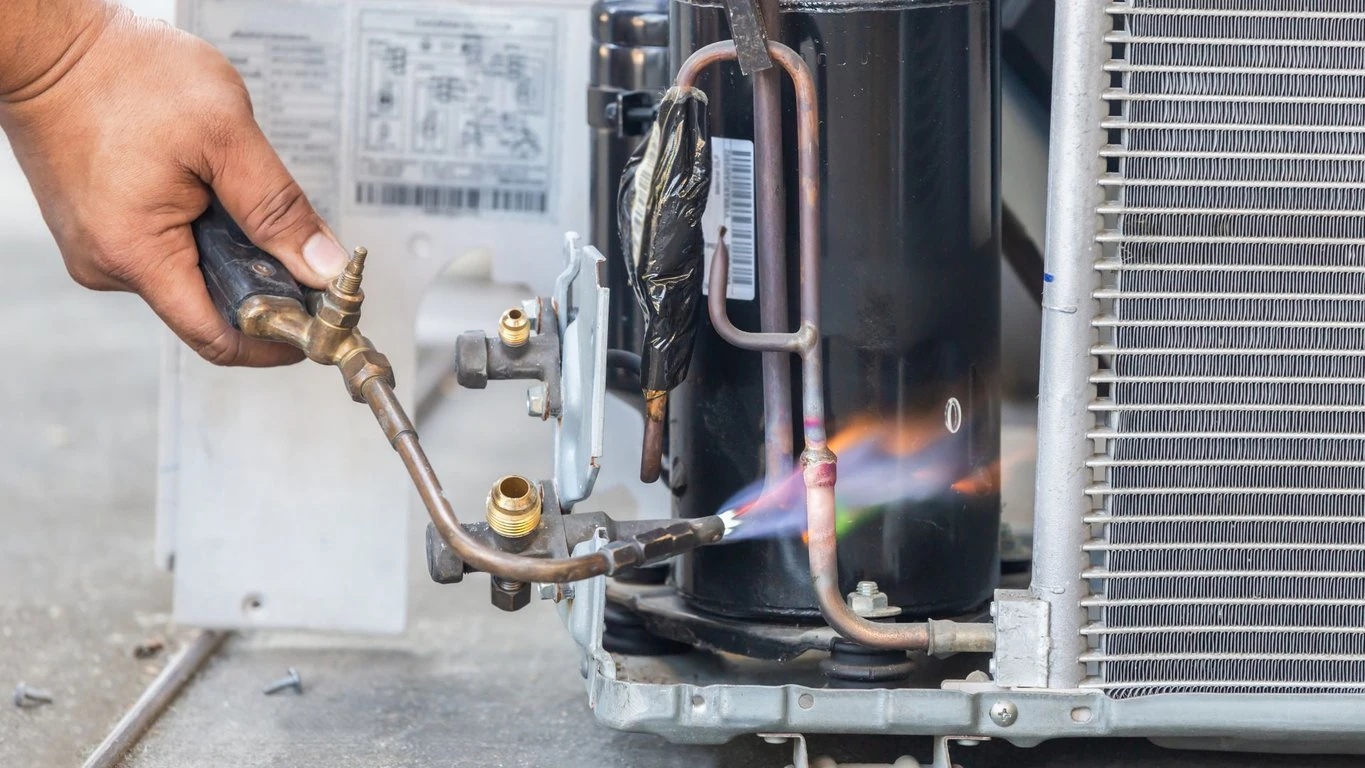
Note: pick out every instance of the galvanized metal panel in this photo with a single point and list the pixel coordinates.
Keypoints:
(280, 503)
(291, 508)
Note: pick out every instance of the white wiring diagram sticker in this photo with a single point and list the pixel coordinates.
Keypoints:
(290, 56)
(459, 112)
(731, 204)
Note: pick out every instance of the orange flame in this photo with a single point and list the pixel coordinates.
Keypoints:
(898, 438)
(882, 462)
(981, 482)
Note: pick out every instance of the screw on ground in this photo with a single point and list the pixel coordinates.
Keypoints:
(25, 696)
(292, 681)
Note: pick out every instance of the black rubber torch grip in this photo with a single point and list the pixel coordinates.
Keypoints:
(234, 268)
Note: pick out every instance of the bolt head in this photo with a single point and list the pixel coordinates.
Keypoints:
(536, 402)
(531, 308)
(1004, 713)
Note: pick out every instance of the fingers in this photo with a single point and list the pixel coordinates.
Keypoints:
(177, 294)
(272, 209)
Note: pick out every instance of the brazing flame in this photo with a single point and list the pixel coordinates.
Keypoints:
(880, 463)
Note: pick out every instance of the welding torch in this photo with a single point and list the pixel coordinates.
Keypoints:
(257, 296)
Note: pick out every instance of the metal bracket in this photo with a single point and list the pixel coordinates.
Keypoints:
(750, 36)
(628, 113)
(801, 754)
(583, 612)
(581, 308)
(1021, 639)
(568, 355)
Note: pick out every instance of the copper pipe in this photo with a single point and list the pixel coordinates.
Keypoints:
(820, 471)
(720, 320)
(771, 202)
(652, 452)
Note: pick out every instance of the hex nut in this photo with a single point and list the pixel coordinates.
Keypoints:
(874, 606)
(340, 311)
(509, 596)
(363, 365)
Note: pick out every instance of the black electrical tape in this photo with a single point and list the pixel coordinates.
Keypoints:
(663, 196)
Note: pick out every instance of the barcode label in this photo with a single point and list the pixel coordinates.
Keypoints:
(450, 200)
(731, 204)
(644, 181)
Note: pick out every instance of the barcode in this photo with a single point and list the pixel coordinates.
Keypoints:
(450, 200)
(644, 181)
(739, 214)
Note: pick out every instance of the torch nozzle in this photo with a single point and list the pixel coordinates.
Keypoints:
(348, 282)
(732, 521)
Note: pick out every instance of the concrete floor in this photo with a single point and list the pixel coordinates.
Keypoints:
(465, 686)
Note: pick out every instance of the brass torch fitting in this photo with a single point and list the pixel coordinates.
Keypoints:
(327, 331)
(348, 282)
(514, 328)
(514, 507)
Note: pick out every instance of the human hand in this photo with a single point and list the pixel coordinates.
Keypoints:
(122, 140)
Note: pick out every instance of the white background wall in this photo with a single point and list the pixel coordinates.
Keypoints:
(19, 219)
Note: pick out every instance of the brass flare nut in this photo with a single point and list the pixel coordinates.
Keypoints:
(514, 507)
(340, 310)
(362, 365)
(514, 328)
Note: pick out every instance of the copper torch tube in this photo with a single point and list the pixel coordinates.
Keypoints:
(820, 471)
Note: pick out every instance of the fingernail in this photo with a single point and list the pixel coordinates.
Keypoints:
(324, 255)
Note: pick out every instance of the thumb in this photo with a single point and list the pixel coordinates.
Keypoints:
(272, 209)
